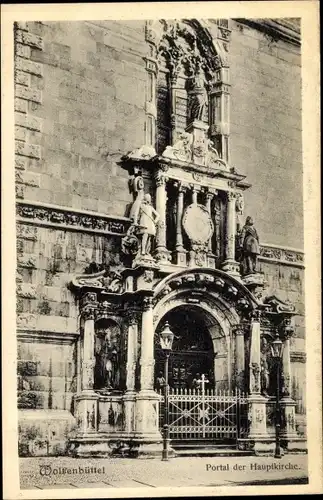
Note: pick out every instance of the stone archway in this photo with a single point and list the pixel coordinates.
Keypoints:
(222, 302)
(200, 346)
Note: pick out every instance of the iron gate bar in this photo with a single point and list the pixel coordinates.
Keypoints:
(214, 415)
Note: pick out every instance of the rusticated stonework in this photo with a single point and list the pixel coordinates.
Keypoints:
(27, 97)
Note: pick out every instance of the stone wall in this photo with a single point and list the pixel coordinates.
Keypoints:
(265, 131)
(84, 85)
(287, 283)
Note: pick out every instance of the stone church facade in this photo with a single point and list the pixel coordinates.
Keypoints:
(153, 186)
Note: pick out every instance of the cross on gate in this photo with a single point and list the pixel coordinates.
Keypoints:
(203, 380)
(203, 413)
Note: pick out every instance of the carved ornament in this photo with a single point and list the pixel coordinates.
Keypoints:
(108, 281)
(197, 224)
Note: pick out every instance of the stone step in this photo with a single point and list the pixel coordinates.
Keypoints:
(209, 452)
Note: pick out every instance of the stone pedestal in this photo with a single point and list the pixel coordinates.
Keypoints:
(199, 130)
(148, 437)
(262, 443)
(211, 260)
(87, 412)
(129, 411)
(288, 431)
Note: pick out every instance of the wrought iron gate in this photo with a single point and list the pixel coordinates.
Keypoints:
(206, 414)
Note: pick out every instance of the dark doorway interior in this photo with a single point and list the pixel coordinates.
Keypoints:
(192, 352)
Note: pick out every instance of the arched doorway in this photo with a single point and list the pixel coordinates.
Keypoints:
(192, 354)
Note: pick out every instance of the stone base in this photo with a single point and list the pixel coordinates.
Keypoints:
(255, 283)
(162, 255)
(145, 261)
(44, 432)
(180, 257)
(122, 445)
(231, 267)
(294, 444)
(264, 447)
(211, 260)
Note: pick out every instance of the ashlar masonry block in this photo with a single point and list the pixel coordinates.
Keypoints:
(30, 39)
(27, 93)
(29, 66)
(29, 150)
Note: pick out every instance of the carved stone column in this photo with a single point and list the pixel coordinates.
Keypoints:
(89, 307)
(240, 357)
(173, 80)
(151, 106)
(287, 367)
(220, 112)
(130, 395)
(147, 361)
(86, 402)
(180, 251)
(257, 403)
(132, 347)
(210, 255)
(288, 430)
(194, 193)
(161, 253)
(230, 265)
(147, 406)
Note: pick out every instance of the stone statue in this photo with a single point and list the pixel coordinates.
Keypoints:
(249, 243)
(137, 187)
(197, 97)
(148, 219)
(106, 368)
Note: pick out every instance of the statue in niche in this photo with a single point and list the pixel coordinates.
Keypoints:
(249, 244)
(198, 99)
(148, 219)
(106, 373)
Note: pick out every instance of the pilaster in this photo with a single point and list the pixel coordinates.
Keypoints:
(161, 253)
(230, 265)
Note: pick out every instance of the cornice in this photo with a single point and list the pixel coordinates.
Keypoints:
(46, 336)
(58, 217)
(284, 29)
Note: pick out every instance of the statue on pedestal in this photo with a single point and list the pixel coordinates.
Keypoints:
(249, 244)
(198, 98)
(148, 219)
(137, 187)
(137, 242)
(106, 366)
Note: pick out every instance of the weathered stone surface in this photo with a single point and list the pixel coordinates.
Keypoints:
(30, 39)
(29, 94)
(265, 132)
(31, 150)
(28, 66)
(22, 78)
